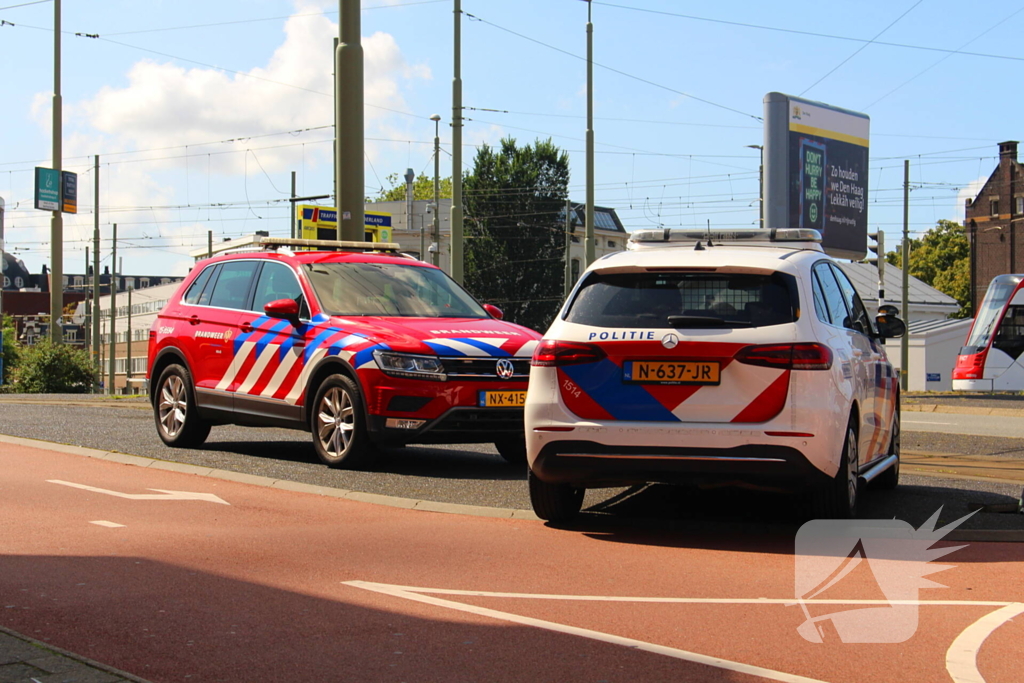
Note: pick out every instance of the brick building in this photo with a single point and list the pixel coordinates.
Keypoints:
(993, 221)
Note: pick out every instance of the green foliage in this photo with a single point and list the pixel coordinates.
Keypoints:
(515, 240)
(422, 188)
(10, 349)
(942, 259)
(48, 368)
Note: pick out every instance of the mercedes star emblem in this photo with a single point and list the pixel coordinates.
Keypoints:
(669, 341)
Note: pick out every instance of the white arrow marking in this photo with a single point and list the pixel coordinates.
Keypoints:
(160, 495)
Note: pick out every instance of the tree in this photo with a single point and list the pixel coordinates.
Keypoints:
(422, 188)
(514, 207)
(48, 368)
(942, 259)
(9, 351)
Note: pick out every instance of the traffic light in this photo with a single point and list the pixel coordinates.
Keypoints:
(878, 259)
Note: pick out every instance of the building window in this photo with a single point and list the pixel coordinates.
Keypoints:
(145, 282)
(79, 281)
(1020, 205)
(7, 282)
(611, 244)
(993, 206)
(575, 269)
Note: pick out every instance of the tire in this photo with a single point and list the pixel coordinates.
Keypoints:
(338, 424)
(556, 503)
(174, 408)
(838, 498)
(513, 450)
(890, 479)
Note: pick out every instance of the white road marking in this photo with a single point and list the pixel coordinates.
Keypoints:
(160, 495)
(415, 594)
(962, 655)
(923, 422)
(109, 525)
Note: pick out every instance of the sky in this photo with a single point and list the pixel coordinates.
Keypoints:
(200, 111)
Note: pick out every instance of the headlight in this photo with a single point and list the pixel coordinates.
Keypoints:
(409, 365)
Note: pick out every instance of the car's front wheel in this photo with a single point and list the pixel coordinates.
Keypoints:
(174, 407)
(339, 425)
(556, 503)
(838, 498)
(890, 479)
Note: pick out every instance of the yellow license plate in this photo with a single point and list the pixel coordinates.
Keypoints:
(502, 399)
(671, 372)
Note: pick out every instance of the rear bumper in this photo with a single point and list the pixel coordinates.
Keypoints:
(591, 464)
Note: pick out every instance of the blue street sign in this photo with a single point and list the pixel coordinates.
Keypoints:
(69, 187)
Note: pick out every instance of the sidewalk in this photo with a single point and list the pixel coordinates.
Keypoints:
(24, 660)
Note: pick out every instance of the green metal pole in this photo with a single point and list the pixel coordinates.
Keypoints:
(590, 252)
(96, 341)
(113, 312)
(128, 338)
(568, 248)
(905, 262)
(57, 221)
(456, 223)
(348, 122)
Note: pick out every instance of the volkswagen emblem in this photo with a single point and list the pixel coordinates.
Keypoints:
(505, 369)
(670, 341)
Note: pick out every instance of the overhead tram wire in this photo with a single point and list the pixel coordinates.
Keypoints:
(807, 33)
(862, 47)
(473, 17)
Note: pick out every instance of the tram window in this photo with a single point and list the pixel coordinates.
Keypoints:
(1010, 336)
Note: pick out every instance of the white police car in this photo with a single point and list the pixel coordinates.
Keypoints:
(742, 358)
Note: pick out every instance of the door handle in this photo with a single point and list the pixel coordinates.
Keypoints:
(246, 327)
(193, 320)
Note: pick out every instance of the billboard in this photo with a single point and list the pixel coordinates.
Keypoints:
(816, 172)
(321, 223)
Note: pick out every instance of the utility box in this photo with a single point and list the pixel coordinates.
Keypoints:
(933, 348)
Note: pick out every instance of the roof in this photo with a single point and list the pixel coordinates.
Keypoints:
(864, 277)
(605, 218)
(924, 326)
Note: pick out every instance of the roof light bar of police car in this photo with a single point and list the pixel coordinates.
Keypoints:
(676, 236)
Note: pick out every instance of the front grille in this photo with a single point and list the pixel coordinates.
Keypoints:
(484, 368)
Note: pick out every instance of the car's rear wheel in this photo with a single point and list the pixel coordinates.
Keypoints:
(513, 450)
(838, 498)
(174, 407)
(890, 479)
(556, 503)
(339, 425)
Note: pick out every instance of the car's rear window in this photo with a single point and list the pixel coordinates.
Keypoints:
(696, 300)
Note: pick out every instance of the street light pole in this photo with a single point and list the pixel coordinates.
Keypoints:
(589, 250)
(57, 221)
(760, 185)
(436, 258)
(457, 267)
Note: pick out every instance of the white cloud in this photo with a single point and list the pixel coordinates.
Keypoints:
(166, 104)
(969, 192)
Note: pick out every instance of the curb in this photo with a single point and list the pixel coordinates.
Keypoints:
(961, 410)
(269, 482)
(71, 655)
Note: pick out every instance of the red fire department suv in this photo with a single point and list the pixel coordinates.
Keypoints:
(359, 345)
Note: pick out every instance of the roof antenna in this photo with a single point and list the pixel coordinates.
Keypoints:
(709, 233)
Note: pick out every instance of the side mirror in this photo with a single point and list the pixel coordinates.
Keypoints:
(889, 326)
(285, 309)
(494, 311)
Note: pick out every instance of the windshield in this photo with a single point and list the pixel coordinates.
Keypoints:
(391, 290)
(685, 300)
(998, 293)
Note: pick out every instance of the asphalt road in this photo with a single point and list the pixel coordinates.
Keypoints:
(475, 474)
(243, 583)
(956, 423)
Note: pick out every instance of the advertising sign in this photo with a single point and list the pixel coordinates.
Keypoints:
(816, 172)
(47, 195)
(69, 192)
(321, 223)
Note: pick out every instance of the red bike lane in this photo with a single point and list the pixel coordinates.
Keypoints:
(279, 585)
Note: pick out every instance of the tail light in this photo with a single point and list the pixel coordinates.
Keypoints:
(970, 366)
(552, 353)
(803, 356)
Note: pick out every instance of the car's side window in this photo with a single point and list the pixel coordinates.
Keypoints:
(277, 281)
(860, 320)
(833, 295)
(819, 300)
(232, 287)
(193, 296)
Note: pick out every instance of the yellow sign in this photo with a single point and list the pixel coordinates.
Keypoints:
(321, 223)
